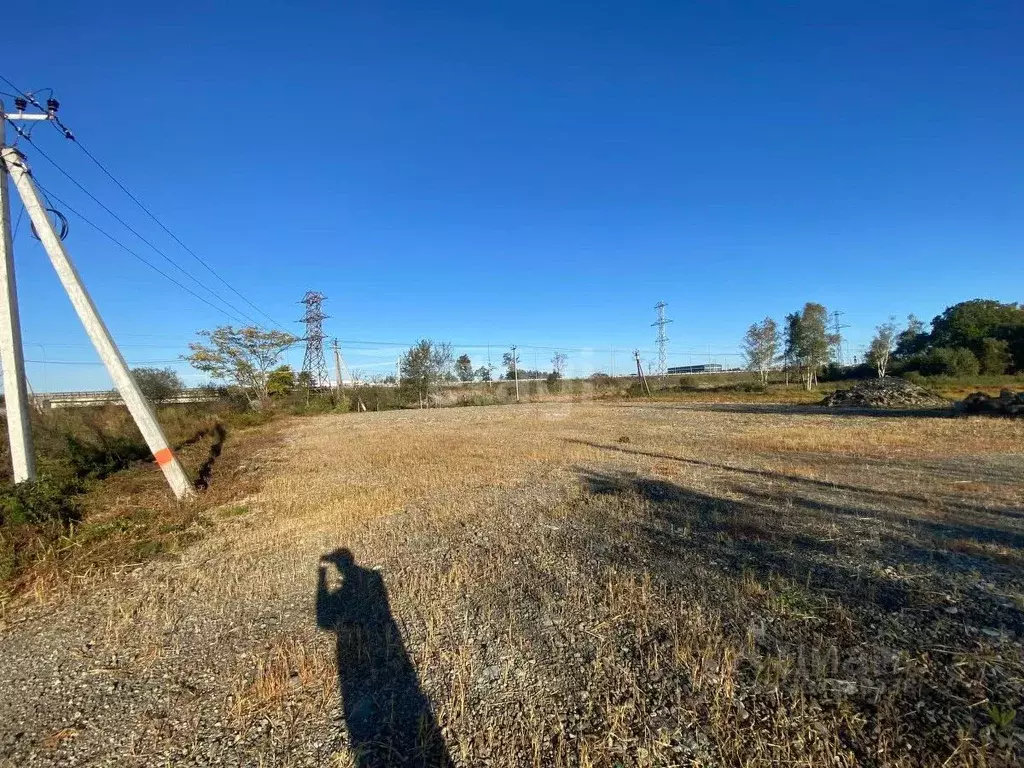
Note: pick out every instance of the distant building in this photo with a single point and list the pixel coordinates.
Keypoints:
(704, 368)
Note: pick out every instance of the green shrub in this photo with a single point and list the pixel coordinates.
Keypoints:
(317, 403)
(45, 501)
(996, 357)
(949, 361)
(915, 377)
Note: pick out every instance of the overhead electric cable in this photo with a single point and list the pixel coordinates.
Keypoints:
(71, 136)
(126, 225)
(136, 255)
(173, 236)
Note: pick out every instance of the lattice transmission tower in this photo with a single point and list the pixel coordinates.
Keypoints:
(837, 331)
(662, 339)
(313, 362)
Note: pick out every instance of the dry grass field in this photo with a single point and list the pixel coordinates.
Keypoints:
(560, 584)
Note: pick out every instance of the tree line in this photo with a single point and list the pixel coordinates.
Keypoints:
(803, 346)
(981, 336)
(428, 364)
(249, 361)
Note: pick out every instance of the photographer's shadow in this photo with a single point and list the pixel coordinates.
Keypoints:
(390, 721)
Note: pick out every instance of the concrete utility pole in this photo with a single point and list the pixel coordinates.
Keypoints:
(12, 355)
(116, 366)
(515, 371)
(337, 365)
(640, 372)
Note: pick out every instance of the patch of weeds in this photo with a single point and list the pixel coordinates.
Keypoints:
(792, 600)
(104, 455)
(40, 502)
(33, 514)
(1002, 717)
(149, 548)
(233, 511)
(93, 532)
(249, 418)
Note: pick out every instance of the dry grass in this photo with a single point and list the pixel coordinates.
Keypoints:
(632, 584)
(910, 437)
(130, 517)
(292, 665)
(345, 488)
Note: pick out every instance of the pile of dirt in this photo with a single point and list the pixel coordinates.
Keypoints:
(1009, 403)
(889, 392)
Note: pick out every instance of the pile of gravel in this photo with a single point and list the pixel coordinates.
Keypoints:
(1009, 403)
(889, 392)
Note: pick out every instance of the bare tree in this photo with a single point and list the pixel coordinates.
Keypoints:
(761, 347)
(558, 364)
(244, 357)
(882, 346)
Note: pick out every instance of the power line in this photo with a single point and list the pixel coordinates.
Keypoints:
(71, 137)
(133, 253)
(126, 225)
(173, 236)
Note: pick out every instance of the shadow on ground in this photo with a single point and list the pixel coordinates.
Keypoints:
(907, 624)
(206, 470)
(797, 409)
(784, 533)
(1015, 539)
(389, 719)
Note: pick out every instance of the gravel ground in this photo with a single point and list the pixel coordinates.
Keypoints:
(630, 586)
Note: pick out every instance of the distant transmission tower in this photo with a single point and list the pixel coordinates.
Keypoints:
(662, 339)
(313, 363)
(837, 330)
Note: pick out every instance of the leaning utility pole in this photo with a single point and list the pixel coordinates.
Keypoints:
(640, 372)
(515, 371)
(116, 366)
(662, 339)
(12, 355)
(337, 366)
(313, 362)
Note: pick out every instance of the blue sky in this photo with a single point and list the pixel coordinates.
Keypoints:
(527, 172)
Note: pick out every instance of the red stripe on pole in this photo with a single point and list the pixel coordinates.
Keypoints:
(163, 456)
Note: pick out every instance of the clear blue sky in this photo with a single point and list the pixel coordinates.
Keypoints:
(539, 173)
